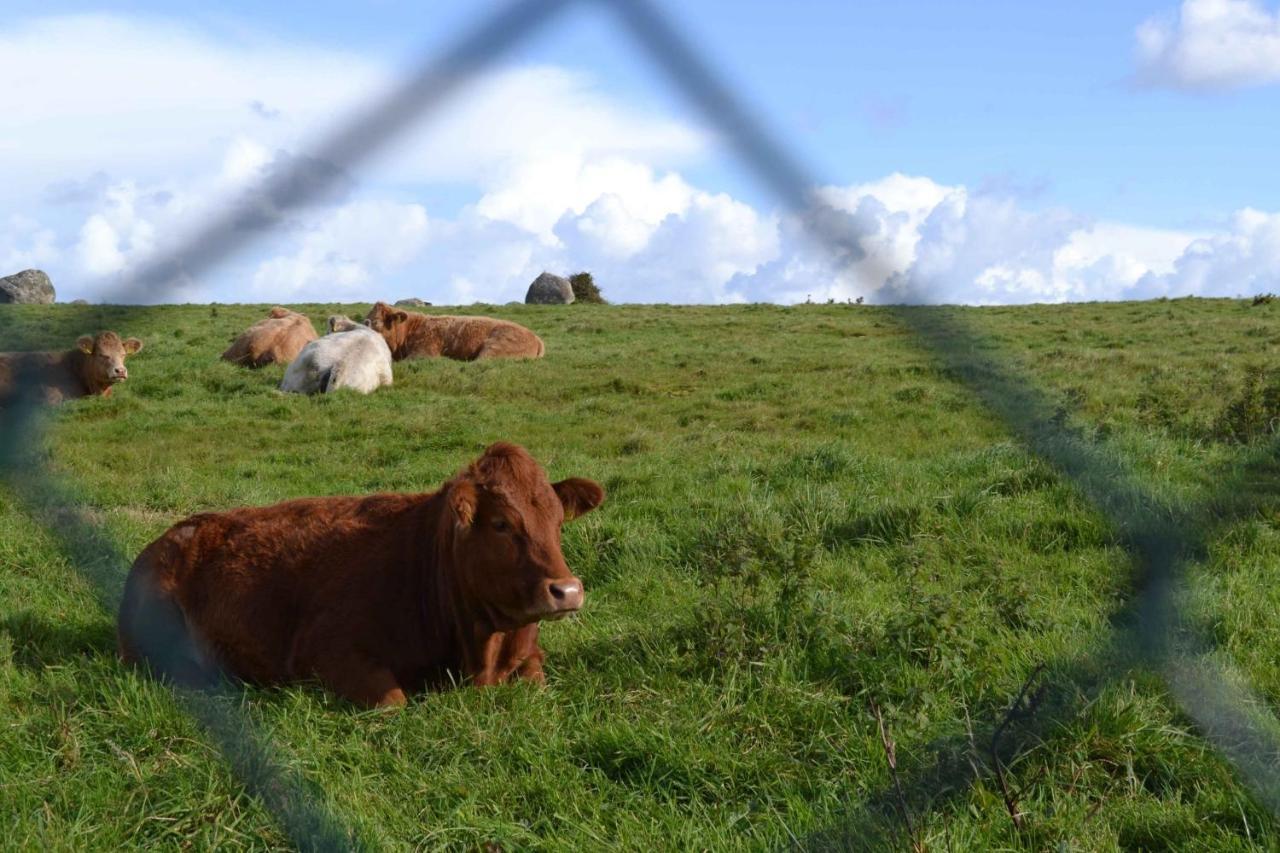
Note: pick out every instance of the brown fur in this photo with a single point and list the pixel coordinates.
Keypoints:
(376, 597)
(91, 369)
(275, 340)
(413, 335)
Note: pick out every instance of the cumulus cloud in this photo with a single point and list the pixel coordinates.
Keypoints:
(1243, 260)
(338, 256)
(925, 242)
(1211, 44)
(691, 255)
(121, 230)
(25, 243)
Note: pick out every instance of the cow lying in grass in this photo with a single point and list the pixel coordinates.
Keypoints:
(276, 340)
(413, 335)
(350, 356)
(93, 368)
(375, 597)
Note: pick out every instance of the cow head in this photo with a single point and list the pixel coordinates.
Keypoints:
(506, 517)
(106, 353)
(342, 323)
(386, 321)
(280, 312)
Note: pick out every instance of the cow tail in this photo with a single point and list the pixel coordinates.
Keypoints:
(327, 379)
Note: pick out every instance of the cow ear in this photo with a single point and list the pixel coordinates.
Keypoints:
(132, 345)
(333, 322)
(84, 343)
(579, 496)
(279, 311)
(399, 316)
(462, 502)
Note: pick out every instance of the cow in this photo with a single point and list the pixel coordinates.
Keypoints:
(375, 597)
(350, 356)
(413, 335)
(92, 369)
(277, 339)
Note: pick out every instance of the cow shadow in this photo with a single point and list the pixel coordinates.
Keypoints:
(38, 643)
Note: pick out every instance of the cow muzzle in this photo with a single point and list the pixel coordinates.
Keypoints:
(563, 597)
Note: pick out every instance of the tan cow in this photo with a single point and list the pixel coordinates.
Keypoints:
(375, 597)
(277, 339)
(413, 335)
(93, 368)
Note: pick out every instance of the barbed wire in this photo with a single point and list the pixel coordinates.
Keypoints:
(1162, 539)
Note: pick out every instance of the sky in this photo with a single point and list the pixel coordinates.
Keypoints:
(981, 153)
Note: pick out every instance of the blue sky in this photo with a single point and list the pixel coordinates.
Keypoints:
(998, 152)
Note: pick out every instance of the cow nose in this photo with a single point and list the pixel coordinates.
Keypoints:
(567, 594)
(121, 373)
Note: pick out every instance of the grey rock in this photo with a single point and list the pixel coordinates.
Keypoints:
(29, 287)
(548, 289)
(412, 302)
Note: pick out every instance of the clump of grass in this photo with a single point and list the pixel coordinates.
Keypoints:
(757, 564)
(1254, 411)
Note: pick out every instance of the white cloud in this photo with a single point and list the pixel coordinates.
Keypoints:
(925, 242)
(693, 255)
(26, 243)
(538, 193)
(1211, 44)
(120, 232)
(1241, 261)
(151, 98)
(337, 256)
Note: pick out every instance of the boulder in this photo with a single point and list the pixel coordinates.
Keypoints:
(548, 289)
(412, 302)
(29, 287)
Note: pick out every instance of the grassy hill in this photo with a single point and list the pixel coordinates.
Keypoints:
(810, 519)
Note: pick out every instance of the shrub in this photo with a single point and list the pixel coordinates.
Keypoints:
(585, 290)
(1254, 411)
(1264, 299)
(757, 564)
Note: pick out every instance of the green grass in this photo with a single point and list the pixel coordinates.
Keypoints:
(807, 516)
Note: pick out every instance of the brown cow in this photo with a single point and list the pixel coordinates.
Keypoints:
(91, 369)
(376, 597)
(413, 335)
(277, 339)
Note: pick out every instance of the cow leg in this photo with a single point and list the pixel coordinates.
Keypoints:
(531, 669)
(361, 682)
(510, 653)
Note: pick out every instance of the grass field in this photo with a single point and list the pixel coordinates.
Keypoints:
(808, 518)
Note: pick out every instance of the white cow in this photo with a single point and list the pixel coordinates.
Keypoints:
(350, 356)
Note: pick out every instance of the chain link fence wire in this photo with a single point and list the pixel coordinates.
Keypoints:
(1162, 539)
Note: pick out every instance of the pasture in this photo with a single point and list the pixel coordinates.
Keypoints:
(807, 519)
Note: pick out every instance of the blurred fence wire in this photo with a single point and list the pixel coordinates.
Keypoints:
(1162, 539)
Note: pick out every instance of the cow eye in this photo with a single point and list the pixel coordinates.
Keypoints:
(501, 525)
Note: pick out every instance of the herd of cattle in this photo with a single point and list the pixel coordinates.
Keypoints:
(374, 597)
(352, 355)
